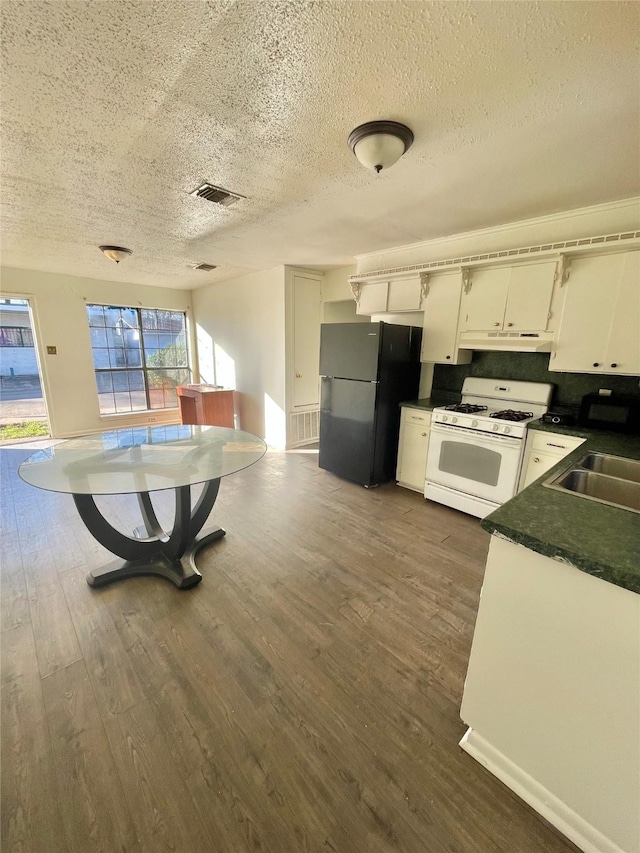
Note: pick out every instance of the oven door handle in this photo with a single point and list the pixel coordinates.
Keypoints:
(476, 437)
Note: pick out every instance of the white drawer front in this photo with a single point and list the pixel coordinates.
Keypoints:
(553, 442)
(413, 416)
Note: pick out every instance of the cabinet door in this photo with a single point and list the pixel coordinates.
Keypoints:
(483, 305)
(623, 346)
(373, 298)
(404, 295)
(529, 297)
(535, 465)
(440, 328)
(412, 460)
(591, 291)
(306, 341)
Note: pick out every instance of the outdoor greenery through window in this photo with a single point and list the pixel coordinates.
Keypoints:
(139, 355)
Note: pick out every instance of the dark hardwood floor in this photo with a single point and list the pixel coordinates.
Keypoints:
(304, 697)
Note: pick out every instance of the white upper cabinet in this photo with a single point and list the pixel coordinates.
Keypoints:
(514, 298)
(405, 294)
(600, 325)
(373, 298)
(483, 304)
(441, 311)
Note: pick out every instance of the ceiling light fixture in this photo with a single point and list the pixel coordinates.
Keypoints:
(380, 144)
(115, 253)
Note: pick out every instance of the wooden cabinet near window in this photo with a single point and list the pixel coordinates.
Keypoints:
(206, 405)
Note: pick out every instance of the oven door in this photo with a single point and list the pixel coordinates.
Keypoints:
(474, 463)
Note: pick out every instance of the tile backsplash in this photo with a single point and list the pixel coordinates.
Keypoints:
(569, 388)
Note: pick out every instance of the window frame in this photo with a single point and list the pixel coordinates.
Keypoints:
(143, 368)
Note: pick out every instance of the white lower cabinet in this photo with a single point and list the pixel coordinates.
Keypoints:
(544, 450)
(413, 447)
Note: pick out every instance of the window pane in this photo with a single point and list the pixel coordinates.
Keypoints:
(129, 317)
(177, 321)
(112, 316)
(133, 357)
(96, 315)
(148, 319)
(98, 338)
(164, 319)
(101, 358)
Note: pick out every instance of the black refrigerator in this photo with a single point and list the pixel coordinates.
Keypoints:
(367, 370)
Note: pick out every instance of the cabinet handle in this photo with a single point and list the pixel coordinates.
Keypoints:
(448, 357)
(509, 324)
(614, 364)
(298, 376)
(496, 324)
(561, 446)
(596, 364)
(424, 433)
(536, 458)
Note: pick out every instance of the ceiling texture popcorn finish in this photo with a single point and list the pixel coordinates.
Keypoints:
(113, 112)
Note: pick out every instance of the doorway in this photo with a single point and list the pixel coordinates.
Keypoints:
(23, 412)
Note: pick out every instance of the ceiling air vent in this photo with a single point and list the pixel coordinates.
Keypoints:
(205, 267)
(216, 194)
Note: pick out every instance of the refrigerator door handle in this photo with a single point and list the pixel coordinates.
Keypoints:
(325, 396)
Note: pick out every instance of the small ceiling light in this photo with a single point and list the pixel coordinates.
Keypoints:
(380, 144)
(115, 253)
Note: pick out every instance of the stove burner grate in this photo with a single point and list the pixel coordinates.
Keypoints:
(466, 408)
(511, 415)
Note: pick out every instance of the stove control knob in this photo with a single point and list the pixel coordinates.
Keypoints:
(507, 429)
(496, 427)
(454, 420)
(474, 423)
(445, 418)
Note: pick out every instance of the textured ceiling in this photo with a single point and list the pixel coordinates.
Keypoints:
(113, 111)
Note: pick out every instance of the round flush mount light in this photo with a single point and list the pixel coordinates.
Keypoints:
(380, 144)
(116, 253)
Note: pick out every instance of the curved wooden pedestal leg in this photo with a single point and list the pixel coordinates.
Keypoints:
(153, 551)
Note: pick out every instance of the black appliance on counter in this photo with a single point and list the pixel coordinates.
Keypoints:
(367, 370)
(616, 412)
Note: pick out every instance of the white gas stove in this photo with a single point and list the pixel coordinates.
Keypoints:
(476, 447)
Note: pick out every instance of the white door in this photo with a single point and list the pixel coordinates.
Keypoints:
(482, 307)
(373, 298)
(529, 297)
(535, 465)
(474, 464)
(440, 328)
(306, 341)
(404, 295)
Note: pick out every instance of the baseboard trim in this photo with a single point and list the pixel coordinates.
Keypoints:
(569, 823)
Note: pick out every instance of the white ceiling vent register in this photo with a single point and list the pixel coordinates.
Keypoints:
(605, 239)
(218, 195)
(205, 267)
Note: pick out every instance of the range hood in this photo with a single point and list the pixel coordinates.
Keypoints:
(510, 341)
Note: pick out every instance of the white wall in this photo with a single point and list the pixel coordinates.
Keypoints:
(335, 284)
(60, 320)
(240, 326)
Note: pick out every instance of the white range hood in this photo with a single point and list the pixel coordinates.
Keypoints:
(510, 341)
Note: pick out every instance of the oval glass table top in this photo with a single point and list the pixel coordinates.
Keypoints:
(142, 459)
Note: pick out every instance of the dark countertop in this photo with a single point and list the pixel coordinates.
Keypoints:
(430, 403)
(595, 538)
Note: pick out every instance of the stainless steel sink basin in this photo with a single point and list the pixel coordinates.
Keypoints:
(595, 486)
(612, 466)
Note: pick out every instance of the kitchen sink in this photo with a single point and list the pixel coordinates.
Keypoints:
(613, 466)
(596, 486)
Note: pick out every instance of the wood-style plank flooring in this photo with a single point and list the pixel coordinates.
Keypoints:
(304, 697)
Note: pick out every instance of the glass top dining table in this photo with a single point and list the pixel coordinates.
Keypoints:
(142, 460)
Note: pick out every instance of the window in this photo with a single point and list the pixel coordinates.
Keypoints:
(139, 355)
(15, 336)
